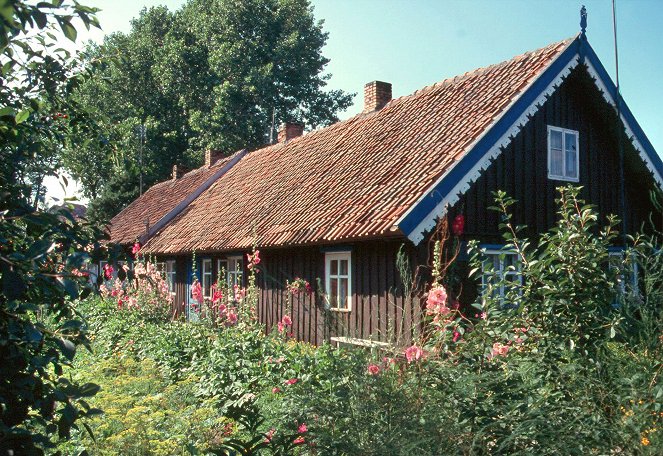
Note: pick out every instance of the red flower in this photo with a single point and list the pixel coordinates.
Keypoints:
(291, 381)
(299, 440)
(276, 390)
(413, 353)
(136, 248)
(270, 435)
(302, 429)
(373, 369)
(286, 320)
(458, 226)
(108, 271)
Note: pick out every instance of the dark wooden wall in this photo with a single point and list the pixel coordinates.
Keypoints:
(522, 169)
(380, 309)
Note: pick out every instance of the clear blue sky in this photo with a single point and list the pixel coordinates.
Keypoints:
(414, 43)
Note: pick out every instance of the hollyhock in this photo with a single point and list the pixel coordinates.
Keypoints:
(276, 390)
(413, 353)
(217, 295)
(456, 336)
(197, 291)
(108, 271)
(232, 318)
(136, 248)
(299, 440)
(499, 349)
(286, 320)
(373, 369)
(281, 326)
(302, 429)
(270, 435)
(458, 226)
(291, 381)
(437, 301)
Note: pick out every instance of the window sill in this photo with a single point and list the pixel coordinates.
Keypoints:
(337, 309)
(564, 179)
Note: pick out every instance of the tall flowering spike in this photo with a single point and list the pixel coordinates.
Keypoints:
(136, 248)
(436, 303)
(108, 271)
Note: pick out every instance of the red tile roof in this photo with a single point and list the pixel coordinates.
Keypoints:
(156, 202)
(353, 179)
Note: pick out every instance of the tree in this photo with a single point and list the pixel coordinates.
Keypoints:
(40, 252)
(212, 75)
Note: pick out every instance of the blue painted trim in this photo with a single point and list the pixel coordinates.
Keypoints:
(427, 204)
(639, 134)
(455, 175)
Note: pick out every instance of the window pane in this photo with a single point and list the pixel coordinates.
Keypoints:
(334, 267)
(571, 168)
(333, 292)
(555, 139)
(570, 142)
(556, 162)
(344, 267)
(343, 294)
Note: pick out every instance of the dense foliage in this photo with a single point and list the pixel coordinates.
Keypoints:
(569, 363)
(41, 253)
(213, 74)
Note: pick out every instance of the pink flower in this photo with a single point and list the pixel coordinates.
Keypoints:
(456, 336)
(291, 381)
(276, 390)
(436, 303)
(499, 349)
(280, 326)
(197, 291)
(136, 248)
(286, 320)
(108, 271)
(373, 369)
(270, 435)
(232, 318)
(458, 225)
(217, 295)
(302, 429)
(299, 440)
(413, 353)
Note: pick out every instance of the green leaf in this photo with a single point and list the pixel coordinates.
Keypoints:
(7, 112)
(89, 389)
(68, 30)
(67, 347)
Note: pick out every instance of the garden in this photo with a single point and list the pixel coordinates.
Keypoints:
(567, 361)
(570, 366)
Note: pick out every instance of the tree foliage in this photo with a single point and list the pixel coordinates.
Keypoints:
(40, 252)
(212, 75)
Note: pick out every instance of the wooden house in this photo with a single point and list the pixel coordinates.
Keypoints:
(336, 205)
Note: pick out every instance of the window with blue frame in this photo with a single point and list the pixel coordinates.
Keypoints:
(624, 269)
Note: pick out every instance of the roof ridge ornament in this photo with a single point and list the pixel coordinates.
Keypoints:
(583, 19)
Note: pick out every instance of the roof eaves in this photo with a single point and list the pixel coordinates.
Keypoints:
(421, 216)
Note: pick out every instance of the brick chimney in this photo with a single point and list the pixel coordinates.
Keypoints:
(179, 171)
(212, 156)
(376, 95)
(289, 130)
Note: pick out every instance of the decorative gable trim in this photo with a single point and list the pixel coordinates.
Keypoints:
(163, 221)
(633, 130)
(422, 216)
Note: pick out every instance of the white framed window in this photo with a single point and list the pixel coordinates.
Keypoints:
(207, 277)
(161, 267)
(234, 271)
(563, 154)
(338, 280)
(501, 273)
(170, 275)
(222, 271)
